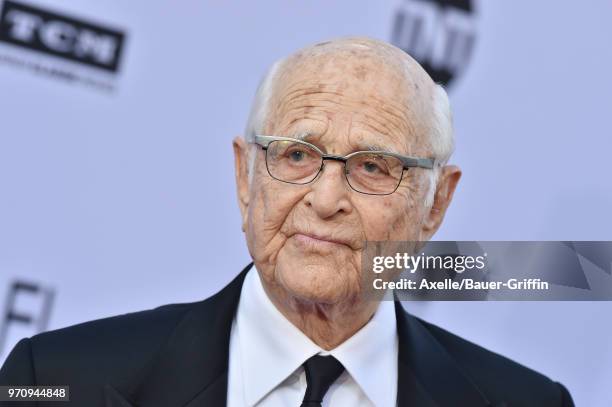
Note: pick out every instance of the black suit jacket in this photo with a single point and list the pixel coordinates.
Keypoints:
(177, 355)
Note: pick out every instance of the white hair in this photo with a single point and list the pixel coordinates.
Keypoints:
(260, 109)
(441, 138)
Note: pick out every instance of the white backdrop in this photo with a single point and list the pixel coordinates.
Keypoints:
(124, 200)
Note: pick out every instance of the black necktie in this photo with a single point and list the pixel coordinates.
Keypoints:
(321, 372)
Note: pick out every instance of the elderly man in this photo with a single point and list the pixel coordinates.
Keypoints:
(347, 142)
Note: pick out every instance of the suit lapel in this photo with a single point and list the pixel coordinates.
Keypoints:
(112, 398)
(427, 374)
(191, 369)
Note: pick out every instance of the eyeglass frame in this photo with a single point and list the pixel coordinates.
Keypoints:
(407, 161)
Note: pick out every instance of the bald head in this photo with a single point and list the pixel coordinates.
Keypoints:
(367, 71)
(361, 59)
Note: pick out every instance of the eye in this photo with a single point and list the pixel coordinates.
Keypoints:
(297, 155)
(375, 167)
(371, 167)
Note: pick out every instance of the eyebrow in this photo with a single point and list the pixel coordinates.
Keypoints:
(305, 135)
(378, 147)
(302, 136)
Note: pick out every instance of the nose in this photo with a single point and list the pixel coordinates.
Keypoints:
(329, 194)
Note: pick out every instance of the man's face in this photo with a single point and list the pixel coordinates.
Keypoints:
(306, 240)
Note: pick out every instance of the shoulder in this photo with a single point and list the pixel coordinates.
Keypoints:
(115, 346)
(134, 325)
(497, 376)
(122, 348)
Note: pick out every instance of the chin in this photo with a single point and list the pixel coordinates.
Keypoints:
(319, 284)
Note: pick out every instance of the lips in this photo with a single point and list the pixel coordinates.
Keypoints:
(312, 238)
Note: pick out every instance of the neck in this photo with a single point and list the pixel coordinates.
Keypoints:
(327, 325)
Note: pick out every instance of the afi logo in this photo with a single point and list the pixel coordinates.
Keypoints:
(439, 34)
(35, 315)
(59, 35)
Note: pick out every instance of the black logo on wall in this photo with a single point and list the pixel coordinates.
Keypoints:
(439, 34)
(35, 316)
(62, 36)
(59, 46)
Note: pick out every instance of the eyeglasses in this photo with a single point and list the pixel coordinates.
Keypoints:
(368, 172)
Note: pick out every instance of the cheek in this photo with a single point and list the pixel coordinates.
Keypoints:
(395, 217)
(269, 209)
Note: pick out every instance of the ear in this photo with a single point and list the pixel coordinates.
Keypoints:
(447, 182)
(242, 177)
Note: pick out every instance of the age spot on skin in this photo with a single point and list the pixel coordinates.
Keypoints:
(361, 72)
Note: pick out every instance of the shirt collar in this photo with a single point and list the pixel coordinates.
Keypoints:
(370, 356)
(270, 342)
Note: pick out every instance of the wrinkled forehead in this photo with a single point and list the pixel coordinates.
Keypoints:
(385, 92)
(393, 77)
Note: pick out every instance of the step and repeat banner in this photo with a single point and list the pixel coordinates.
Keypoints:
(116, 170)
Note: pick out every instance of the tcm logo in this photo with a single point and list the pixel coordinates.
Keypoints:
(439, 34)
(62, 36)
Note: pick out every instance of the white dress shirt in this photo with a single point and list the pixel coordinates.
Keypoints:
(267, 352)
